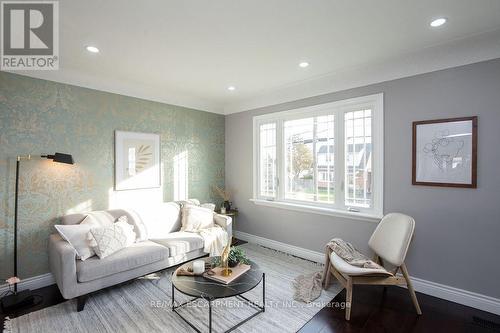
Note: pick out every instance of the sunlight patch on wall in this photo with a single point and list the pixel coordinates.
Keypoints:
(181, 167)
(82, 207)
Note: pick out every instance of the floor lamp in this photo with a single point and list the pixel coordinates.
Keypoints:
(23, 298)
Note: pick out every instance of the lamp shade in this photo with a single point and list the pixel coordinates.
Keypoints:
(61, 158)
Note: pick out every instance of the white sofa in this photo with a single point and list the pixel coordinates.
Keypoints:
(160, 245)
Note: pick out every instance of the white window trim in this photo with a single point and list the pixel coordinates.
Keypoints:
(318, 210)
(376, 103)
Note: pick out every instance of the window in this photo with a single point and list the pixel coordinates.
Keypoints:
(326, 157)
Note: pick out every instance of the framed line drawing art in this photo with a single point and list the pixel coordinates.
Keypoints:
(137, 160)
(445, 152)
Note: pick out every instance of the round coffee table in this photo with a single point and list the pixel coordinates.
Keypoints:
(209, 290)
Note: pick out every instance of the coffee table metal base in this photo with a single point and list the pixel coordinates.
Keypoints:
(259, 308)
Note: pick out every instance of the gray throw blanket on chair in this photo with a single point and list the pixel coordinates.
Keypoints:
(308, 287)
(347, 252)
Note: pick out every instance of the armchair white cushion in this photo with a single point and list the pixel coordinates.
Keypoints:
(343, 267)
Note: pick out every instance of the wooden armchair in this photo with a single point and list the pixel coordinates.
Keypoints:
(390, 242)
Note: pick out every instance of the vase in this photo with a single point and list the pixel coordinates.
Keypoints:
(232, 263)
(227, 205)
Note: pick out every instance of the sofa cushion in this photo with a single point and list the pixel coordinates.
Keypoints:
(181, 242)
(136, 255)
(160, 219)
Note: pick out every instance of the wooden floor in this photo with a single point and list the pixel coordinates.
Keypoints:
(376, 310)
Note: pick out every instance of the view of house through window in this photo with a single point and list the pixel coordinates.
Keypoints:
(309, 159)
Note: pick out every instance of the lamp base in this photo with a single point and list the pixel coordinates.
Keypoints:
(16, 301)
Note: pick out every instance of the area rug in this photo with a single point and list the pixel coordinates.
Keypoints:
(143, 305)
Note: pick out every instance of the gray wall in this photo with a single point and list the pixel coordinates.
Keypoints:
(458, 230)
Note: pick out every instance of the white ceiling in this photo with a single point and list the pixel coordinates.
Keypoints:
(188, 52)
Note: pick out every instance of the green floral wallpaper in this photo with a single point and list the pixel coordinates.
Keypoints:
(39, 117)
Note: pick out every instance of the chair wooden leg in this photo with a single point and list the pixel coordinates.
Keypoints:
(348, 299)
(410, 288)
(327, 277)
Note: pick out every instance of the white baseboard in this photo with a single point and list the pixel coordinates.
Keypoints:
(460, 296)
(32, 283)
(290, 249)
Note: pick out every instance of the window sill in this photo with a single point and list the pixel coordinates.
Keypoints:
(318, 210)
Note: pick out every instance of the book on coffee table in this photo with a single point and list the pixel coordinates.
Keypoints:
(236, 272)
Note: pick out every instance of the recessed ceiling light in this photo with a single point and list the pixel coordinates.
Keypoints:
(438, 22)
(92, 49)
(304, 64)
(231, 88)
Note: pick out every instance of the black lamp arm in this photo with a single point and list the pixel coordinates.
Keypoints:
(60, 158)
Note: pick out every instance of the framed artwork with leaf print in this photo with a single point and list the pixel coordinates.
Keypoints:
(137, 160)
(445, 152)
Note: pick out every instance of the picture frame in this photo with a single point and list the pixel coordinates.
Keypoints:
(137, 160)
(444, 152)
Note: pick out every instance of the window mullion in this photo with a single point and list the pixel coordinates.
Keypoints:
(339, 160)
(280, 160)
(257, 152)
(315, 167)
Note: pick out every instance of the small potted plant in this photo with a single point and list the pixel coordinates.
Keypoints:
(237, 256)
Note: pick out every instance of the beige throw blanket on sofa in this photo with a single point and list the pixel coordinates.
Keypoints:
(200, 220)
(215, 239)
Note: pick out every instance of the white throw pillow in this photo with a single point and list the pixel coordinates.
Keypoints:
(195, 218)
(160, 219)
(110, 239)
(76, 235)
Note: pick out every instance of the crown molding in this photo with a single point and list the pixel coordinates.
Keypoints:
(464, 51)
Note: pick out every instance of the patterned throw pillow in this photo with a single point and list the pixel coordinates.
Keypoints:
(110, 239)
